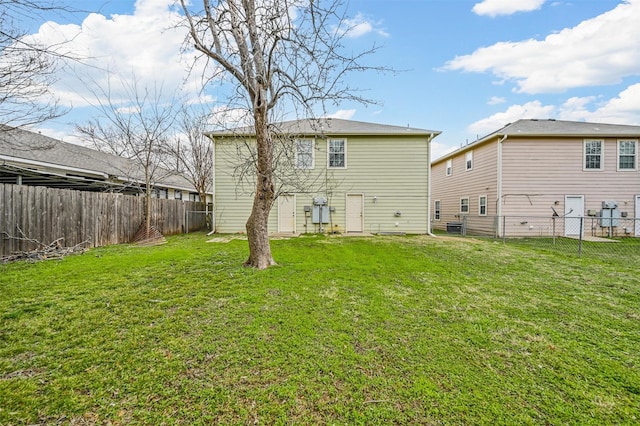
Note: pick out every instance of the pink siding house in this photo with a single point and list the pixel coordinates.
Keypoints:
(540, 177)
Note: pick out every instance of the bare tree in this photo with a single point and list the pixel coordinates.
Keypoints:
(27, 68)
(137, 125)
(277, 55)
(193, 151)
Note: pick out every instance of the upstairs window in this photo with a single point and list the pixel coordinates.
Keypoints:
(627, 154)
(449, 167)
(468, 160)
(337, 153)
(304, 154)
(593, 155)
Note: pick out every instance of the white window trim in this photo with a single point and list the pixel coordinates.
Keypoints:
(635, 163)
(468, 157)
(313, 154)
(437, 210)
(584, 155)
(449, 167)
(345, 153)
(468, 205)
(486, 205)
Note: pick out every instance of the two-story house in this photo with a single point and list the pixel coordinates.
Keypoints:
(332, 176)
(561, 170)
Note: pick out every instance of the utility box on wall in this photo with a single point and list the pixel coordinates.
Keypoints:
(610, 214)
(320, 213)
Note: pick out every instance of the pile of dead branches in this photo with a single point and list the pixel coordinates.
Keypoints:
(51, 251)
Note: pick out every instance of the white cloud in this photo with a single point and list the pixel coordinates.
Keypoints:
(623, 109)
(496, 100)
(599, 51)
(439, 149)
(344, 114)
(359, 26)
(506, 7)
(533, 109)
(145, 46)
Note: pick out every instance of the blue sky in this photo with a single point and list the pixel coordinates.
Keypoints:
(468, 67)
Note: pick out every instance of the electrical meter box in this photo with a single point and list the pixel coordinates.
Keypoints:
(320, 213)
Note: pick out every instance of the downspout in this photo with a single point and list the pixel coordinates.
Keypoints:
(213, 188)
(499, 186)
(431, 136)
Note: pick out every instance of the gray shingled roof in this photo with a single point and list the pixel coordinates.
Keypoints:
(534, 127)
(34, 147)
(550, 127)
(331, 126)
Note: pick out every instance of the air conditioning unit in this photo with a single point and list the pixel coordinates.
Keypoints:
(609, 204)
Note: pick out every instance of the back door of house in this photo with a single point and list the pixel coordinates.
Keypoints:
(573, 211)
(287, 214)
(355, 213)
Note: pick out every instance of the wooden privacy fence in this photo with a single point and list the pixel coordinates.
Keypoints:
(46, 214)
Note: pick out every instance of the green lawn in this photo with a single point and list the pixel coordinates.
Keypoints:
(380, 330)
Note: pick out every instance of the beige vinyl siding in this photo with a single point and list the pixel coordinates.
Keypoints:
(462, 183)
(537, 173)
(394, 170)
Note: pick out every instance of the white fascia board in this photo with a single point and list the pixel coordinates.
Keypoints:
(52, 166)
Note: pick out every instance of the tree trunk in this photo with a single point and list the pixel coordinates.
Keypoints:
(258, 223)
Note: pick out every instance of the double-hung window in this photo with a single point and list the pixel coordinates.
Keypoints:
(593, 154)
(304, 154)
(337, 153)
(449, 169)
(468, 160)
(627, 153)
(464, 205)
(482, 205)
(436, 210)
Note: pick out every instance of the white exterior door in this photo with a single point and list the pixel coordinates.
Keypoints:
(573, 211)
(355, 213)
(287, 214)
(637, 217)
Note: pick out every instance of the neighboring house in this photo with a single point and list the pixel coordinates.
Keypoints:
(28, 158)
(558, 171)
(333, 175)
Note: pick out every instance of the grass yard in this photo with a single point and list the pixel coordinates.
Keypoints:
(380, 330)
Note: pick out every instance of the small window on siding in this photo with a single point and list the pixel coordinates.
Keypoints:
(160, 193)
(468, 160)
(482, 205)
(337, 153)
(449, 167)
(436, 210)
(593, 155)
(304, 154)
(464, 205)
(177, 194)
(194, 196)
(627, 153)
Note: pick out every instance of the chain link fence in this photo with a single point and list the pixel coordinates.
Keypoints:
(603, 237)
